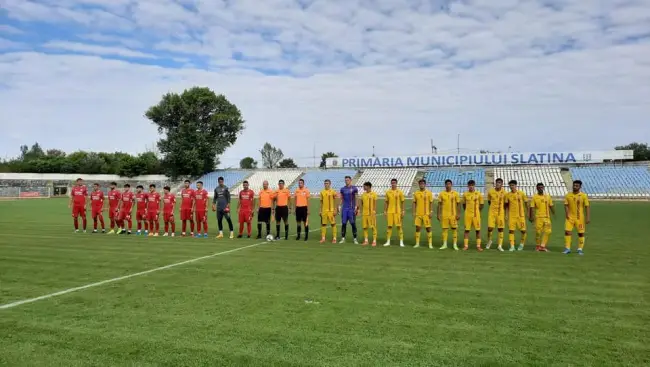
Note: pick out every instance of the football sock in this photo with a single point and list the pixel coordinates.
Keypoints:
(430, 238)
(277, 230)
(365, 233)
(374, 234)
(344, 229)
(191, 226)
(220, 223)
(166, 227)
(229, 223)
(184, 226)
(198, 227)
(259, 229)
(241, 228)
(334, 232)
(454, 234)
(524, 235)
(466, 242)
(354, 229)
(151, 227)
(511, 239)
(130, 224)
(306, 231)
(268, 228)
(545, 238)
(286, 231)
(389, 234)
(173, 226)
(567, 241)
(581, 242)
(478, 240)
(489, 235)
(249, 228)
(445, 235)
(95, 223)
(146, 226)
(205, 226)
(417, 237)
(500, 236)
(400, 231)
(101, 221)
(84, 222)
(112, 223)
(323, 230)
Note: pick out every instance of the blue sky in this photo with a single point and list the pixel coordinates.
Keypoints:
(340, 75)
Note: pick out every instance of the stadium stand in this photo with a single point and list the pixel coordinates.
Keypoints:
(314, 179)
(528, 177)
(614, 181)
(436, 179)
(230, 178)
(256, 179)
(380, 179)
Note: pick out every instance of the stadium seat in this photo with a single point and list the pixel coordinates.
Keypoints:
(528, 177)
(230, 178)
(436, 179)
(256, 179)
(381, 177)
(314, 179)
(614, 181)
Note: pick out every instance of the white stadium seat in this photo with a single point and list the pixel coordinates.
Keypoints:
(272, 176)
(528, 177)
(381, 177)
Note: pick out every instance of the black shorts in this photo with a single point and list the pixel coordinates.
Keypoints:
(301, 214)
(264, 215)
(281, 213)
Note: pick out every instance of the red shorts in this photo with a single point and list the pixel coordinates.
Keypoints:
(112, 213)
(201, 216)
(245, 216)
(97, 212)
(79, 211)
(152, 216)
(186, 214)
(124, 215)
(140, 215)
(168, 217)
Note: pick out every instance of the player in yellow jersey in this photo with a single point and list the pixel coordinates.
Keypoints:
(448, 214)
(394, 212)
(328, 210)
(496, 213)
(541, 208)
(368, 205)
(473, 206)
(578, 215)
(422, 211)
(516, 209)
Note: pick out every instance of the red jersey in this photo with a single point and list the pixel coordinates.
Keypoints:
(188, 198)
(201, 200)
(141, 201)
(169, 202)
(79, 194)
(127, 201)
(246, 200)
(153, 202)
(97, 199)
(114, 197)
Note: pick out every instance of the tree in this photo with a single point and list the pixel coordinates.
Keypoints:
(323, 158)
(248, 163)
(271, 156)
(641, 150)
(55, 153)
(287, 163)
(198, 126)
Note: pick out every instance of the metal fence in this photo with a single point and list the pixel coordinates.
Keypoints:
(25, 192)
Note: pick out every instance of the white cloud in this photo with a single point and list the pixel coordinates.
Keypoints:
(95, 49)
(6, 44)
(7, 29)
(528, 74)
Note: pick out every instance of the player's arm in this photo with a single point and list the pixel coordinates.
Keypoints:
(320, 206)
(481, 203)
(531, 215)
(588, 211)
(566, 208)
(457, 209)
(438, 211)
(403, 199)
(413, 204)
(214, 201)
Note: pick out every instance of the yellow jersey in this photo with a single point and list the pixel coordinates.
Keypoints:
(577, 204)
(542, 205)
(369, 203)
(327, 200)
(516, 204)
(423, 200)
(449, 203)
(497, 200)
(473, 202)
(394, 200)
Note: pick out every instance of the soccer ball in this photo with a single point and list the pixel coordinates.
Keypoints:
(270, 238)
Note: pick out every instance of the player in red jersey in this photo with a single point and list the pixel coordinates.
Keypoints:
(169, 202)
(187, 203)
(141, 210)
(114, 196)
(97, 205)
(245, 208)
(78, 204)
(201, 209)
(125, 208)
(153, 210)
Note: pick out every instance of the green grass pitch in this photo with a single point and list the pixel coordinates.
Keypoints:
(301, 303)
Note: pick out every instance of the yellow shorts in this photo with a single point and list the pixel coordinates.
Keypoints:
(394, 220)
(496, 220)
(473, 222)
(571, 223)
(327, 218)
(369, 221)
(449, 222)
(423, 221)
(543, 225)
(517, 223)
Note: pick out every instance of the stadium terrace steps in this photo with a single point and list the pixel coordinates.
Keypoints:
(528, 177)
(604, 181)
(568, 179)
(418, 176)
(459, 176)
(231, 178)
(272, 176)
(314, 179)
(381, 177)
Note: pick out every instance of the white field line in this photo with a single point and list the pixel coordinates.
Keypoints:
(97, 284)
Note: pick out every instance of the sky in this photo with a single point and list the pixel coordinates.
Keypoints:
(336, 75)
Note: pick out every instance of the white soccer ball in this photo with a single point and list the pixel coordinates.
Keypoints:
(270, 238)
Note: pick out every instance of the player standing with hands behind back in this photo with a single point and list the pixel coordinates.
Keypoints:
(578, 215)
(78, 204)
(187, 203)
(221, 204)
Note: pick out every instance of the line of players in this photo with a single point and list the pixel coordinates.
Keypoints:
(512, 207)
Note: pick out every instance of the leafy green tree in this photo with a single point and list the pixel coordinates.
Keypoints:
(641, 151)
(150, 163)
(52, 153)
(324, 156)
(248, 163)
(287, 163)
(198, 125)
(271, 156)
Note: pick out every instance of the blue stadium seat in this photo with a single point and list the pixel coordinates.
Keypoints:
(614, 181)
(436, 178)
(230, 178)
(314, 179)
